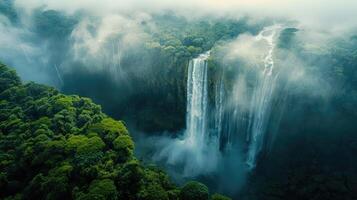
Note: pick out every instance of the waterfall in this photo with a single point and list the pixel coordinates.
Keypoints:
(115, 67)
(209, 131)
(219, 130)
(197, 102)
(218, 115)
(58, 74)
(262, 98)
(197, 151)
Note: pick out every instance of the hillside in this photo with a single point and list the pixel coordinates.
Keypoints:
(55, 146)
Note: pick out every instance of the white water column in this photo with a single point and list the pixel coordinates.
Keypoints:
(197, 102)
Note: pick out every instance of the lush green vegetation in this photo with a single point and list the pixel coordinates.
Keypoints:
(58, 146)
(179, 38)
(54, 146)
(194, 190)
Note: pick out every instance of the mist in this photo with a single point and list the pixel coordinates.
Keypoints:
(276, 72)
(119, 21)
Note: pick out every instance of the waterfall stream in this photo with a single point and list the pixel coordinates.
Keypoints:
(205, 136)
(197, 102)
(219, 111)
(196, 152)
(262, 98)
(222, 131)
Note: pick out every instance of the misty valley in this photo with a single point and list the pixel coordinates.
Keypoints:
(191, 100)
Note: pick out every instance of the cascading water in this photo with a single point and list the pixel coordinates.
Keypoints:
(219, 111)
(115, 67)
(262, 98)
(197, 152)
(58, 75)
(216, 137)
(197, 102)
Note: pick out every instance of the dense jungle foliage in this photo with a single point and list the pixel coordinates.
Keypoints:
(62, 146)
(54, 146)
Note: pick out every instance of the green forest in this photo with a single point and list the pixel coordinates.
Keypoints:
(56, 146)
(178, 100)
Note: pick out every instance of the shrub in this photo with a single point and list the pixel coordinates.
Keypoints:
(194, 191)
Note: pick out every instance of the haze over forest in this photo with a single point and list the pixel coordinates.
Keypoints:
(178, 100)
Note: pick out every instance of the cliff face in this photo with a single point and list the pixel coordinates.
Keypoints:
(151, 101)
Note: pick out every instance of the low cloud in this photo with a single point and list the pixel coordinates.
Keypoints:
(333, 14)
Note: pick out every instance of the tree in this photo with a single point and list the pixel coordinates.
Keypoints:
(8, 78)
(153, 192)
(219, 197)
(55, 146)
(105, 188)
(109, 129)
(124, 145)
(194, 191)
